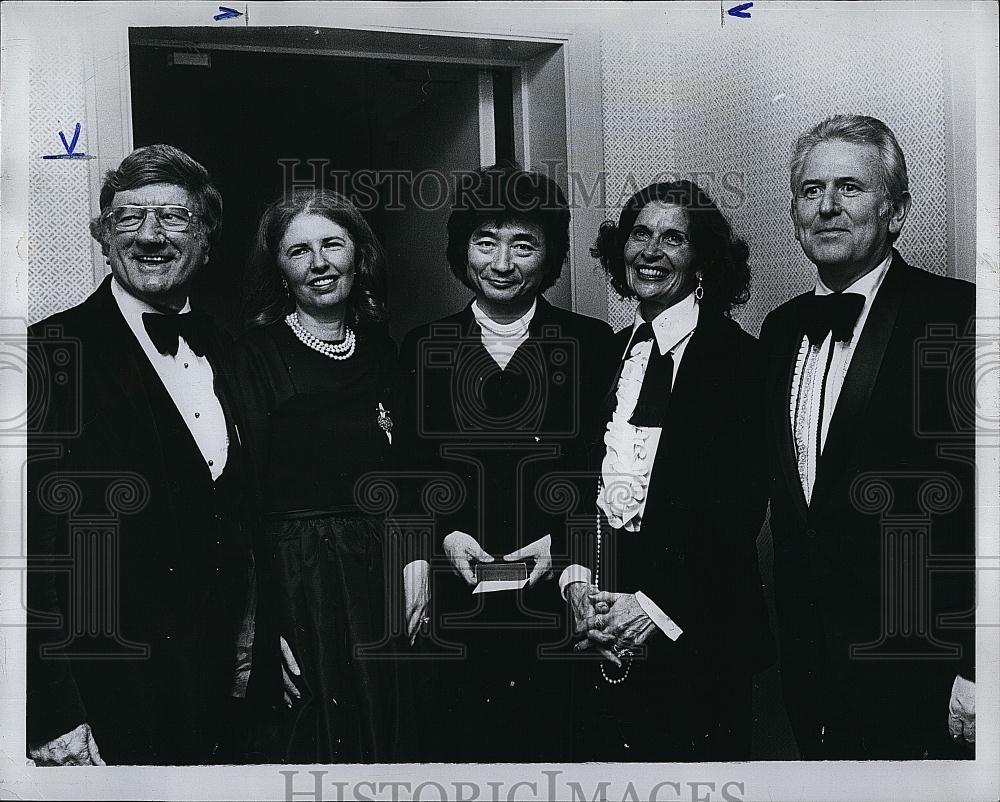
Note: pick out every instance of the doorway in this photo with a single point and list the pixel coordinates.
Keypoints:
(391, 134)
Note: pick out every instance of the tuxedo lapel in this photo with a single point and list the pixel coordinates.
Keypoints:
(696, 379)
(613, 370)
(221, 359)
(860, 381)
(133, 379)
(119, 354)
(781, 373)
(691, 379)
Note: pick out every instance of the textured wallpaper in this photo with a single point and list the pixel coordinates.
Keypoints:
(724, 103)
(728, 105)
(60, 260)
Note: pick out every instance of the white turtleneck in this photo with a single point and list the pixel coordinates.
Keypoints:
(503, 339)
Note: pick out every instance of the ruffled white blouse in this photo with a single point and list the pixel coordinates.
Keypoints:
(631, 450)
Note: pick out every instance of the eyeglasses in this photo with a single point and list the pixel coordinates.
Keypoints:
(169, 218)
(670, 237)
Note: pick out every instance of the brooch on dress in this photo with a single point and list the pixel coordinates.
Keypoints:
(384, 421)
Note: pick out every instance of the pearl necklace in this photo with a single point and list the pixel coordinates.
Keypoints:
(339, 351)
(597, 579)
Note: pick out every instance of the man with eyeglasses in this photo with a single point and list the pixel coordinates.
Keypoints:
(872, 468)
(136, 482)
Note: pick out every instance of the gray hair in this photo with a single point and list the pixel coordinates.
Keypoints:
(862, 131)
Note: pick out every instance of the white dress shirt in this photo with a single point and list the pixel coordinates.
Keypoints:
(189, 380)
(631, 450)
(807, 379)
(503, 339)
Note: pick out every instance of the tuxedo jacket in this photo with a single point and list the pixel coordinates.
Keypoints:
(696, 552)
(139, 563)
(873, 577)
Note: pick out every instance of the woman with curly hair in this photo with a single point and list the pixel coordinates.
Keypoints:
(318, 368)
(671, 605)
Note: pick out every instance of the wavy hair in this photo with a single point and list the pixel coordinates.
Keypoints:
(861, 131)
(501, 194)
(721, 257)
(268, 300)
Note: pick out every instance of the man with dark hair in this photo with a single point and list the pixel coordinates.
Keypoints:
(499, 397)
(136, 482)
(872, 471)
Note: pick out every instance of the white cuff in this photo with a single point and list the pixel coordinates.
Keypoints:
(660, 618)
(417, 568)
(573, 573)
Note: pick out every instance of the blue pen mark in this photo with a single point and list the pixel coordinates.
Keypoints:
(742, 11)
(76, 138)
(69, 147)
(227, 13)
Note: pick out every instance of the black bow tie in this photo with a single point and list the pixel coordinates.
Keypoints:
(164, 330)
(838, 313)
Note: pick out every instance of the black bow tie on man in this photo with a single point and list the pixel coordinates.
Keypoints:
(164, 331)
(838, 312)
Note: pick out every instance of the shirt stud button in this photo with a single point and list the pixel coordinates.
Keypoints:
(211, 462)
(197, 414)
(185, 364)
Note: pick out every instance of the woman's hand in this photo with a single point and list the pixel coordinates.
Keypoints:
(578, 596)
(289, 669)
(461, 549)
(541, 552)
(416, 596)
(624, 623)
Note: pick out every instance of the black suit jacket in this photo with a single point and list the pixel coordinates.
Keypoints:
(511, 446)
(139, 563)
(868, 571)
(696, 553)
(505, 434)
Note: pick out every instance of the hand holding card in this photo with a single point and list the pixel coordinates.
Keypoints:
(541, 552)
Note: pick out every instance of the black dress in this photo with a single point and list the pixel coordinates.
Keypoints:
(317, 426)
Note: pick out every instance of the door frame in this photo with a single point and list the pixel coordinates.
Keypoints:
(557, 89)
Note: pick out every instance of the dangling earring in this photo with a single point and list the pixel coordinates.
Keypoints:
(284, 284)
(699, 291)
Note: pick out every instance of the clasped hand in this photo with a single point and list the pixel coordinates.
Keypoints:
(462, 549)
(605, 620)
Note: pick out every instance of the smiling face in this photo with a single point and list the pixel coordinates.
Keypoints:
(316, 257)
(843, 219)
(150, 263)
(506, 266)
(659, 260)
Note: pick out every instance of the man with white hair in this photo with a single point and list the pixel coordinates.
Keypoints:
(872, 473)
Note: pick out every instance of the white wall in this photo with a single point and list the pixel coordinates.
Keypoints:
(680, 92)
(693, 96)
